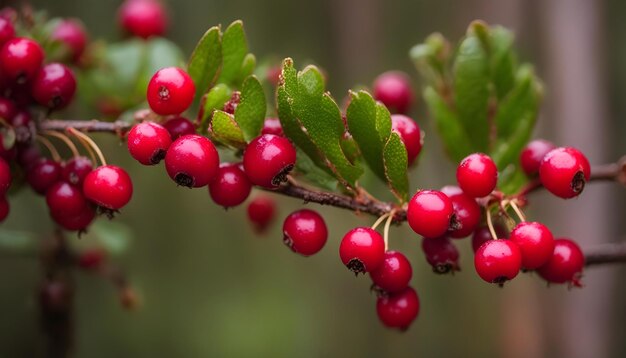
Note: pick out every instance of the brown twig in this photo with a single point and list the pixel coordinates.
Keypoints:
(93, 125)
(606, 253)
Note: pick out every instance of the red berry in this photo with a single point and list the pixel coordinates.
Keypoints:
(109, 187)
(143, 18)
(535, 242)
(394, 274)
(410, 134)
(148, 142)
(268, 159)
(394, 91)
(76, 169)
(305, 232)
(27, 156)
(43, 174)
(23, 126)
(398, 310)
(170, 91)
(91, 259)
(565, 265)
(71, 33)
(5, 177)
(7, 109)
(7, 31)
(482, 235)
(230, 187)
(466, 214)
(4, 208)
(261, 212)
(533, 154)
(192, 161)
(564, 171)
(179, 126)
(477, 175)
(20, 59)
(441, 254)
(78, 222)
(429, 213)
(362, 250)
(272, 126)
(65, 199)
(498, 261)
(54, 86)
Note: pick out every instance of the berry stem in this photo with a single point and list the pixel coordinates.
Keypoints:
(90, 143)
(380, 220)
(518, 211)
(53, 151)
(492, 231)
(387, 225)
(65, 139)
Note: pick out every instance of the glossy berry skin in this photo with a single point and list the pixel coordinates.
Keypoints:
(179, 126)
(482, 235)
(5, 177)
(170, 91)
(148, 142)
(305, 232)
(7, 30)
(532, 155)
(410, 134)
(362, 250)
(498, 261)
(565, 265)
(43, 174)
(477, 175)
(21, 59)
(564, 171)
(65, 199)
(109, 187)
(54, 86)
(76, 169)
(5, 208)
(78, 222)
(192, 161)
(261, 212)
(441, 254)
(268, 159)
(71, 33)
(394, 274)
(398, 310)
(466, 214)
(535, 242)
(230, 187)
(394, 91)
(143, 18)
(429, 213)
(272, 126)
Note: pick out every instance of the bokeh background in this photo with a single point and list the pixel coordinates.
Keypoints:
(210, 287)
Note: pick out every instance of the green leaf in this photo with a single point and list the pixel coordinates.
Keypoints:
(214, 99)
(512, 179)
(206, 59)
(523, 99)
(225, 130)
(507, 150)
(396, 166)
(234, 50)
(113, 236)
(314, 174)
(247, 67)
(18, 242)
(503, 62)
(250, 112)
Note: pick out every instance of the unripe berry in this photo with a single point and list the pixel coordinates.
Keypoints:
(76, 169)
(179, 126)
(477, 175)
(20, 59)
(71, 33)
(268, 159)
(398, 310)
(565, 265)
(441, 254)
(192, 161)
(109, 187)
(148, 142)
(305, 232)
(272, 126)
(261, 212)
(54, 86)
(43, 174)
(394, 91)
(410, 134)
(564, 171)
(143, 18)
(394, 274)
(532, 155)
(170, 91)
(498, 261)
(429, 213)
(362, 250)
(535, 242)
(230, 187)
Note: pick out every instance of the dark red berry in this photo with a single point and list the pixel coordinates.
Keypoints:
(565, 265)
(5, 177)
(71, 33)
(43, 174)
(192, 161)
(394, 273)
(20, 59)
(268, 159)
(55, 297)
(23, 126)
(535, 242)
(76, 170)
(78, 222)
(148, 142)
(91, 259)
(170, 91)
(394, 91)
(4, 208)
(230, 187)
(305, 232)
(54, 86)
(533, 154)
(7, 31)
(28, 155)
(564, 171)
(398, 310)
(362, 250)
(477, 175)
(441, 254)
(109, 187)
(482, 234)
(410, 134)
(65, 199)
(143, 18)
(7, 109)
(430, 213)
(261, 212)
(179, 126)
(498, 261)
(466, 215)
(272, 126)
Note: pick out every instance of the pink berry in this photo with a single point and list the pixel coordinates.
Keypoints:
(305, 232)
(272, 126)
(143, 18)
(71, 33)
(394, 91)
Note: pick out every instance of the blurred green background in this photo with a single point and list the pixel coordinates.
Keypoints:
(210, 287)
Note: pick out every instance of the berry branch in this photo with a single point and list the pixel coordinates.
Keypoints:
(606, 253)
(94, 125)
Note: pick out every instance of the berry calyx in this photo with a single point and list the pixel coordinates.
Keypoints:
(565, 265)
(71, 33)
(477, 175)
(65, 199)
(170, 91)
(143, 18)
(498, 261)
(76, 169)
(20, 59)
(261, 212)
(272, 126)
(268, 159)
(5, 177)
(109, 187)
(430, 213)
(362, 250)
(148, 142)
(54, 86)
(43, 174)
(466, 214)
(398, 310)
(305, 232)
(394, 91)
(532, 155)
(394, 273)
(179, 126)
(441, 254)
(535, 242)
(192, 161)
(482, 235)
(564, 172)
(230, 187)
(410, 134)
